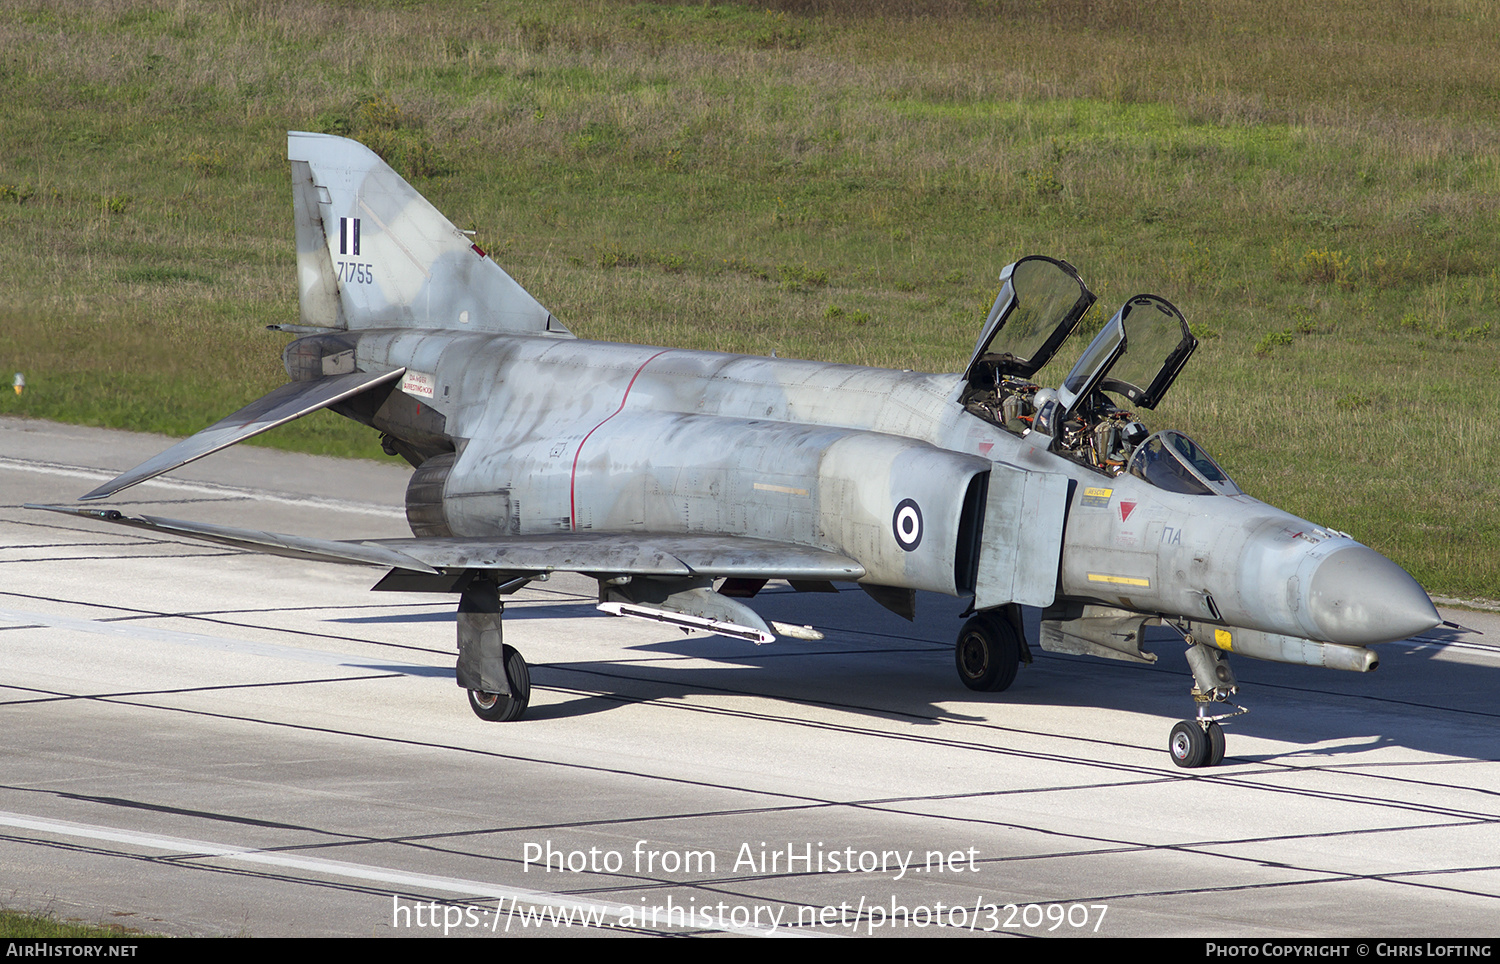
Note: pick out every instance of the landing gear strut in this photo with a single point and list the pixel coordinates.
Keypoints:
(988, 652)
(495, 675)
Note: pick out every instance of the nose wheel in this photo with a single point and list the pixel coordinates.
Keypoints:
(1197, 744)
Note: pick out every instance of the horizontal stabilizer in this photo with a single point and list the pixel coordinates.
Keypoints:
(265, 413)
(588, 552)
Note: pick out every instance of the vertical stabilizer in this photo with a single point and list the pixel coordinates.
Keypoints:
(373, 253)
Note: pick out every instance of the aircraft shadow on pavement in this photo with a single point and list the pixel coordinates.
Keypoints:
(876, 664)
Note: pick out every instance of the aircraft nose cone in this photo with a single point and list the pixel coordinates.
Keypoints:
(1358, 596)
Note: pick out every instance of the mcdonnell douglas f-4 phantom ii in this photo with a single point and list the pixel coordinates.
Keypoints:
(660, 471)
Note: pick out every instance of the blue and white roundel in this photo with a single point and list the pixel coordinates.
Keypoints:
(907, 524)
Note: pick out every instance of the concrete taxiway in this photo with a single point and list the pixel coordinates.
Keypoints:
(204, 741)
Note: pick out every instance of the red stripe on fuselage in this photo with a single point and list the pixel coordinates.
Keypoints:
(573, 477)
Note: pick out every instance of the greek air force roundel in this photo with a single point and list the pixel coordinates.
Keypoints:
(907, 524)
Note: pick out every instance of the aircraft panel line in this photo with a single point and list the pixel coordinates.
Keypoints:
(573, 474)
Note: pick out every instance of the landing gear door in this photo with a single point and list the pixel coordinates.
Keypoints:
(1022, 537)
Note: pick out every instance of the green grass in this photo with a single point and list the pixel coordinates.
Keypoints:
(1318, 192)
(17, 925)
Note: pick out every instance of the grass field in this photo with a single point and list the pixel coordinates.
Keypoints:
(19, 925)
(1316, 187)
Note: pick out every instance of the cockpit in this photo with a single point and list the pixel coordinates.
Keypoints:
(1172, 461)
(1134, 359)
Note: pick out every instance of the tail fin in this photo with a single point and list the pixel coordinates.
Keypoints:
(373, 253)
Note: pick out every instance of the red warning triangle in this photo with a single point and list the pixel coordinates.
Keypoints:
(1125, 509)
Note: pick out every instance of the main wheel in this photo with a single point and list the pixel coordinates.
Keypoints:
(987, 654)
(1189, 745)
(497, 707)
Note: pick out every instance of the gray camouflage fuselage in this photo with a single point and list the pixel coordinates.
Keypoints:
(555, 433)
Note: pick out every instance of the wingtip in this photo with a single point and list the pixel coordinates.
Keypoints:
(70, 510)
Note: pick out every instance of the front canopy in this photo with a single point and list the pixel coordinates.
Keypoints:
(1172, 461)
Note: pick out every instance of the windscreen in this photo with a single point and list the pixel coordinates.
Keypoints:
(1174, 462)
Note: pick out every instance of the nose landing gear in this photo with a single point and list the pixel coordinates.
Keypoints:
(1194, 743)
(1199, 742)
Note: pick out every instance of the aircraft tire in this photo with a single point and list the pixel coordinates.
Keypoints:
(987, 653)
(1215, 744)
(1189, 745)
(497, 707)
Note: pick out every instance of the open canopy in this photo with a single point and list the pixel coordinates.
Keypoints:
(1137, 354)
(1041, 301)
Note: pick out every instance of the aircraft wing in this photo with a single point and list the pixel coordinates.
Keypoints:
(641, 554)
(291, 401)
(622, 553)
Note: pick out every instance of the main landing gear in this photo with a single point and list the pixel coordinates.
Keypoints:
(495, 675)
(502, 707)
(1199, 742)
(988, 652)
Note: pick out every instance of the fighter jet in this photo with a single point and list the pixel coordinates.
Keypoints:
(683, 480)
